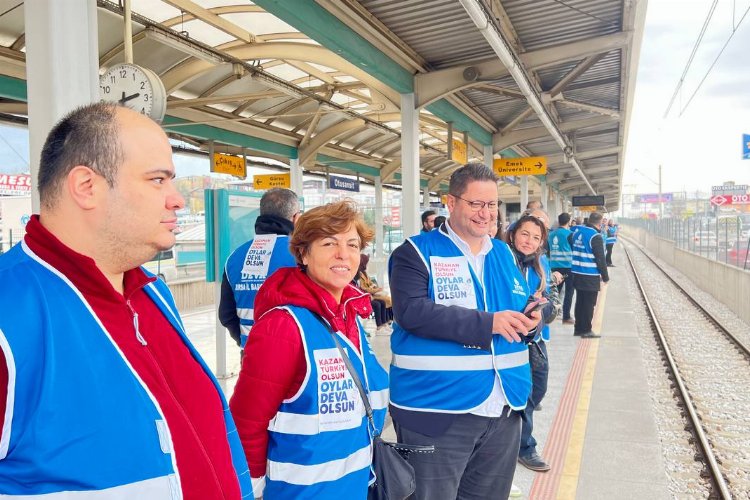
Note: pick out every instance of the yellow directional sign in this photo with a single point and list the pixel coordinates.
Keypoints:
(588, 209)
(460, 154)
(530, 165)
(229, 164)
(272, 181)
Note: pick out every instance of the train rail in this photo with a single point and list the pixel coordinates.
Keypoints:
(691, 339)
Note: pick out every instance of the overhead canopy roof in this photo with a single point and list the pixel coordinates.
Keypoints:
(320, 80)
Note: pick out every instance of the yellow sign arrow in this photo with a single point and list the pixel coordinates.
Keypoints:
(530, 165)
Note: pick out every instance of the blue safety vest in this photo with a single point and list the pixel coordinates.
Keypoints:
(611, 235)
(444, 376)
(82, 420)
(319, 442)
(560, 253)
(532, 278)
(248, 267)
(583, 256)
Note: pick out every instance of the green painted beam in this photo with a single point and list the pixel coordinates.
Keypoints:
(206, 132)
(326, 29)
(461, 123)
(13, 88)
(348, 165)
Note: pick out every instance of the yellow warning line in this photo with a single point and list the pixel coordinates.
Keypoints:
(572, 464)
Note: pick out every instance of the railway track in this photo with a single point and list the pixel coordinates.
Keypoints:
(710, 369)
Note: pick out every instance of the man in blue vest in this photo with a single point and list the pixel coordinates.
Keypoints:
(589, 270)
(561, 260)
(610, 239)
(459, 368)
(101, 393)
(428, 220)
(253, 261)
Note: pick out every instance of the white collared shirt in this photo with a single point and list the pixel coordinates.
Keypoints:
(493, 405)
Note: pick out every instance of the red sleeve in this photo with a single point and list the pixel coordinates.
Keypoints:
(272, 370)
(4, 379)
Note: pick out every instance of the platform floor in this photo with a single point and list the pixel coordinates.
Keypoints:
(596, 425)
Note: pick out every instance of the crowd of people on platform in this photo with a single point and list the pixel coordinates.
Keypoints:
(102, 393)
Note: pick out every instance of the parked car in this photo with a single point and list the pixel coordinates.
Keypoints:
(704, 240)
(738, 255)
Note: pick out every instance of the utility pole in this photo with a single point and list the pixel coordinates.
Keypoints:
(661, 203)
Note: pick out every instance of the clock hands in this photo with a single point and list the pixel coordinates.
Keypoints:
(128, 98)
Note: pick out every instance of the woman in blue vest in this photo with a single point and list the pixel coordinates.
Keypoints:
(298, 411)
(527, 238)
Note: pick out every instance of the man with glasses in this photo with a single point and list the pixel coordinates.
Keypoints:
(459, 365)
(252, 262)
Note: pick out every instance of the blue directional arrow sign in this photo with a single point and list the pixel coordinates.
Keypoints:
(746, 146)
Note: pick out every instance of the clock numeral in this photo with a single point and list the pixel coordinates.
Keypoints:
(145, 97)
(123, 73)
(143, 85)
(133, 76)
(112, 79)
(107, 89)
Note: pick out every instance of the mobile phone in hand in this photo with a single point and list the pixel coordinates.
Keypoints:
(534, 306)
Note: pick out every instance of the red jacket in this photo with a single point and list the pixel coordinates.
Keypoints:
(274, 365)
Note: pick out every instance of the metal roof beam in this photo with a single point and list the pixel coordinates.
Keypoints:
(501, 142)
(212, 19)
(437, 84)
(310, 151)
(585, 155)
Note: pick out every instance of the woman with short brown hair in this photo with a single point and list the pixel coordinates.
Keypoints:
(298, 411)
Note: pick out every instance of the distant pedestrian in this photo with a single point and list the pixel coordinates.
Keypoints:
(610, 239)
(561, 260)
(428, 220)
(254, 261)
(439, 221)
(589, 270)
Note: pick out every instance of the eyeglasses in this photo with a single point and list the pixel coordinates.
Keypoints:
(476, 206)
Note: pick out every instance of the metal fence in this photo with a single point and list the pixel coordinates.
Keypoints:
(725, 239)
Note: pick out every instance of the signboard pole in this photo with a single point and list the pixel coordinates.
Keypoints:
(221, 336)
(661, 202)
(449, 142)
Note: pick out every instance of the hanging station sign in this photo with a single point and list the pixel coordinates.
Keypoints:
(530, 165)
(343, 183)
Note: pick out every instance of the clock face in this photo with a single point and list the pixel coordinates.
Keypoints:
(134, 87)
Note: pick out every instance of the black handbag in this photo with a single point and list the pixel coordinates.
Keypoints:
(394, 475)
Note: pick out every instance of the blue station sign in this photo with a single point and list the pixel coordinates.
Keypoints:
(343, 183)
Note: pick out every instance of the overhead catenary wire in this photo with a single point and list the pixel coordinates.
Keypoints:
(734, 30)
(698, 41)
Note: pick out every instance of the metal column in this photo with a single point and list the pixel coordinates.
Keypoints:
(410, 221)
(62, 67)
(379, 229)
(544, 195)
(524, 192)
(488, 155)
(295, 176)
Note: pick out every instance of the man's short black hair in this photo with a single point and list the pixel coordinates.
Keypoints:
(595, 218)
(563, 218)
(280, 202)
(470, 172)
(86, 136)
(426, 214)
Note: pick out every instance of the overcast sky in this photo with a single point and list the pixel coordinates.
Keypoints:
(698, 145)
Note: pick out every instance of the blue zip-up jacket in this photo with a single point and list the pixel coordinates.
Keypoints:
(320, 440)
(79, 419)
